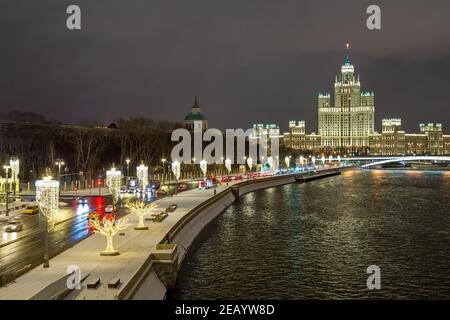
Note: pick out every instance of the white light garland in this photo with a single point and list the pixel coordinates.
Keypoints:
(142, 175)
(47, 198)
(176, 169)
(113, 182)
(228, 165)
(204, 166)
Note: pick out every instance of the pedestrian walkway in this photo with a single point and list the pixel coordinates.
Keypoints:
(134, 246)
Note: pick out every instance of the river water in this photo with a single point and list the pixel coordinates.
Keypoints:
(315, 241)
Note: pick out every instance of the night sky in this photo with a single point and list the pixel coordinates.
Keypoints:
(248, 60)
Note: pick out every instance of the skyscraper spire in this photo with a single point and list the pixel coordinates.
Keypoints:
(347, 61)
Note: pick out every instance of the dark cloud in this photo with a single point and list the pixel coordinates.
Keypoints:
(248, 61)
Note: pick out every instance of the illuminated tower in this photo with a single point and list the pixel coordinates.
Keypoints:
(346, 126)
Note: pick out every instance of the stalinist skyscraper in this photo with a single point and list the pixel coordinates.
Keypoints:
(346, 126)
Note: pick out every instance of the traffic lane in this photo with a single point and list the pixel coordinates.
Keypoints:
(28, 252)
(32, 222)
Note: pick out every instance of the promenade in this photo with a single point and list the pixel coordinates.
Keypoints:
(135, 247)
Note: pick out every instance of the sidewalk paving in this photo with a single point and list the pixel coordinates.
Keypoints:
(135, 248)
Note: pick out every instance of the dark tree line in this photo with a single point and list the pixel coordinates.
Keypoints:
(90, 149)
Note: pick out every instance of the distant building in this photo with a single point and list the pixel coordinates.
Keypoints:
(346, 125)
(297, 138)
(393, 141)
(195, 120)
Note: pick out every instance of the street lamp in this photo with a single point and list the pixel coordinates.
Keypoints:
(113, 178)
(142, 175)
(59, 163)
(47, 198)
(6, 167)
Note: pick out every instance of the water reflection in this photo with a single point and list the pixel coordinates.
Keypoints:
(315, 240)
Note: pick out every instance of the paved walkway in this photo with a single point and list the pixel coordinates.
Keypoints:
(134, 246)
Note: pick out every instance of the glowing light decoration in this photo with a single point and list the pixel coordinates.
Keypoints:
(313, 160)
(108, 227)
(15, 168)
(250, 163)
(141, 209)
(339, 159)
(270, 162)
(204, 166)
(228, 165)
(176, 169)
(47, 198)
(330, 158)
(302, 160)
(287, 160)
(323, 159)
(142, 175)
(113, 178)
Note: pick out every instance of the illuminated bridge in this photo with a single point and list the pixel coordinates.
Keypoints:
(377, 161)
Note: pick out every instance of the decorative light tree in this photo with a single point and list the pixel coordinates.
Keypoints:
(204, 167)
(228, 165)
(47, 198)
(141, 209)
(113, 178)
(339, 159)
(109, 228)
(330, 158)
(313, 160)
(15, 168)
(323, 160)
(250, 163)
(142, 175)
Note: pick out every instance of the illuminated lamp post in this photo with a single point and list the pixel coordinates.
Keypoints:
(7, 189)
(302, 160)
(128, 168)
(228, 165)
(15, 168)
(176, 169)
(204, 167)
(250, 163)
(270, 161)
(163, 160)
(113, 178)
(142, 175)
(47, 197)
(287, 160)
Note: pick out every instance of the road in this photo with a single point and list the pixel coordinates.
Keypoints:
(20, 251)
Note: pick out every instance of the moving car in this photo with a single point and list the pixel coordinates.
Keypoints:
(110, 209)
(13, 226)
(32, 209)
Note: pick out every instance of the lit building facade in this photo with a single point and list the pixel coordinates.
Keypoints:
(393, 141)
(346, 125)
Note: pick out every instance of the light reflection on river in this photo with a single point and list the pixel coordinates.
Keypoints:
(315, 240)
